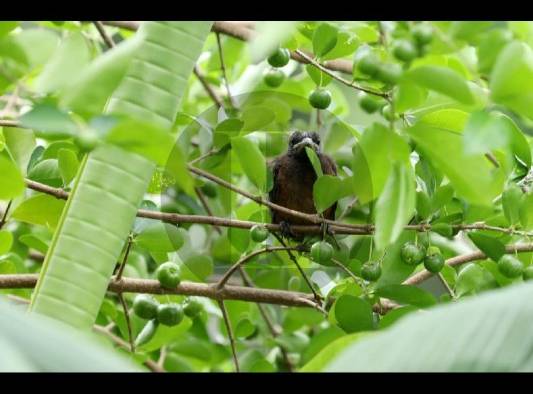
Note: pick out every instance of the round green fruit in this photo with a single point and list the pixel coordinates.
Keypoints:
(210, 190)
(320, 98)
(192, 307)
(368, 65)
(423, 34)
(528, 273)
(389, 73)
(87, 140)
(169, 275)
(387, 112)
(279, 58)
(434, 261)
(145, 306)
(404, 50)
(274, 78)
(258, 233)
(412, 254)
(510, 267)
(321, 252)
(369, 104)
(169, 314)
(371, 271)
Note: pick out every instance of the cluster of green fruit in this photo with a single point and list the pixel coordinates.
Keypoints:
(413, 254)
(319, 98)
(511, 267)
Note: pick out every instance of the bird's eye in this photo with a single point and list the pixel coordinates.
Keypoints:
(295, 138)
(316, 139)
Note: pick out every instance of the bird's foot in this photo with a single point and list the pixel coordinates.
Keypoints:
(285, 229)
(326, 229)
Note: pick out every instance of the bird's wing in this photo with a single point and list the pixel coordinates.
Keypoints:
(273, 194)
(329, 168)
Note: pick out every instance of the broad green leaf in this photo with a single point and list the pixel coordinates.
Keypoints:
(176, 167)
(393, 269)
(257, 117)
(318, 77)
(47, 172)
(165, 335)
(405, 294)
(490, 46)
(409, 96)
(511, 199)
(353, 314)
(230, 126)
(322, 359)
(395, 206)
(11, 182)
(20, 143)
(71, 57)
(442, 80)
(346, 44)
(41, 209)
(511, 81)
(321, 340)
(491, 246)
(470, 339)
(34, 241)
(244, 328)
(270, 35)
(472, 279)
(49, 122)
(6, 241)
(328, 189)
(374, 156)
(197, 268)
(315, 161)
(324, 39)
(38, 44)
(394, 315)
(160, 237)
(68, 165)
(526, 211)
(483, 133)
(252, 161)
(6, 27)
(473, 177)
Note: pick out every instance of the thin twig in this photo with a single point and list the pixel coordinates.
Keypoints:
(108, 40)
(310, 60)
(4, 216)
(162, 356)
(446, 285)
(125, 259)
(9, 123)
(203, 200)
(128, 322)
(223, 68)
(230, 334)
(208, 88)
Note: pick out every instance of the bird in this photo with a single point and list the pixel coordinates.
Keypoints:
(293, 180)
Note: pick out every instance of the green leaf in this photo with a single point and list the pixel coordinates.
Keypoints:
(511, 199)
(405, 294)
(252, 161)
(471, 279)
(526, 211)
(511, 81)
(483, 133)
(472, 176)
(71, 57)
(68, 165)
(395, 206)
(6, 241)
(324, 39)
(444, 330)
(491, 246)
(394, 315)
(41, 209)
(353, 314)
(165, 335)
(47, 172)
(270, 35)
(373, 158)
(322, 359)
(328, 189)
(34, 241)
(490, 46)
(160, 238)
(199, 267)
(244, 328)
(257, 117)
(346, 44)
(11, 182)
(321, 340)
(6, 27)
(38, 44)
(315, 161)
(230, 126)
(318, 77)
(20, 143)
(49, 122)
(176, 166)
(442, 80)
(409, 96)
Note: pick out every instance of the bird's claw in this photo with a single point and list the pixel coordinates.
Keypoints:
(285, 229)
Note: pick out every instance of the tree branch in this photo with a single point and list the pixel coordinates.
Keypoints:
(108, 40)
(208, 88)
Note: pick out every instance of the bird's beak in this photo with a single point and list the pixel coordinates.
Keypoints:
(306, 142)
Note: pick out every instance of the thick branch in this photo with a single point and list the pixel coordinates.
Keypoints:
(150, 286)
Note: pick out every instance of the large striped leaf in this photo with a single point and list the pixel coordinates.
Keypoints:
(111, 182)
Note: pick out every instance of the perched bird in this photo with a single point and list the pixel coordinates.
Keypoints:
(293, 179)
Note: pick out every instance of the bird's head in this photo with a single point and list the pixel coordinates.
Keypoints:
(301, 139)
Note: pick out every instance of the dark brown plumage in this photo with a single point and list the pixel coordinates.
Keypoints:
(293, 181)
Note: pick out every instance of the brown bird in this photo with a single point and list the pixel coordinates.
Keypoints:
(293, 179)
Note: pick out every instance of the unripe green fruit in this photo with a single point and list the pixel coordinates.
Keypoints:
(145, 306)
(423, 34)
(320, 98)
(192, 307)
(412, 254)
(87, 140)
(510, 266)
(169, 314)
(321, 252)
(371, 271)
(528, 273)
(389, 73)
(147, 332)
(388, 113)
(434, 261)
(404, 50)
(368, 65)
(209, 190)
(369, 104)
(279, 58)
(258, 233)
(169, 275)
(274, 78)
